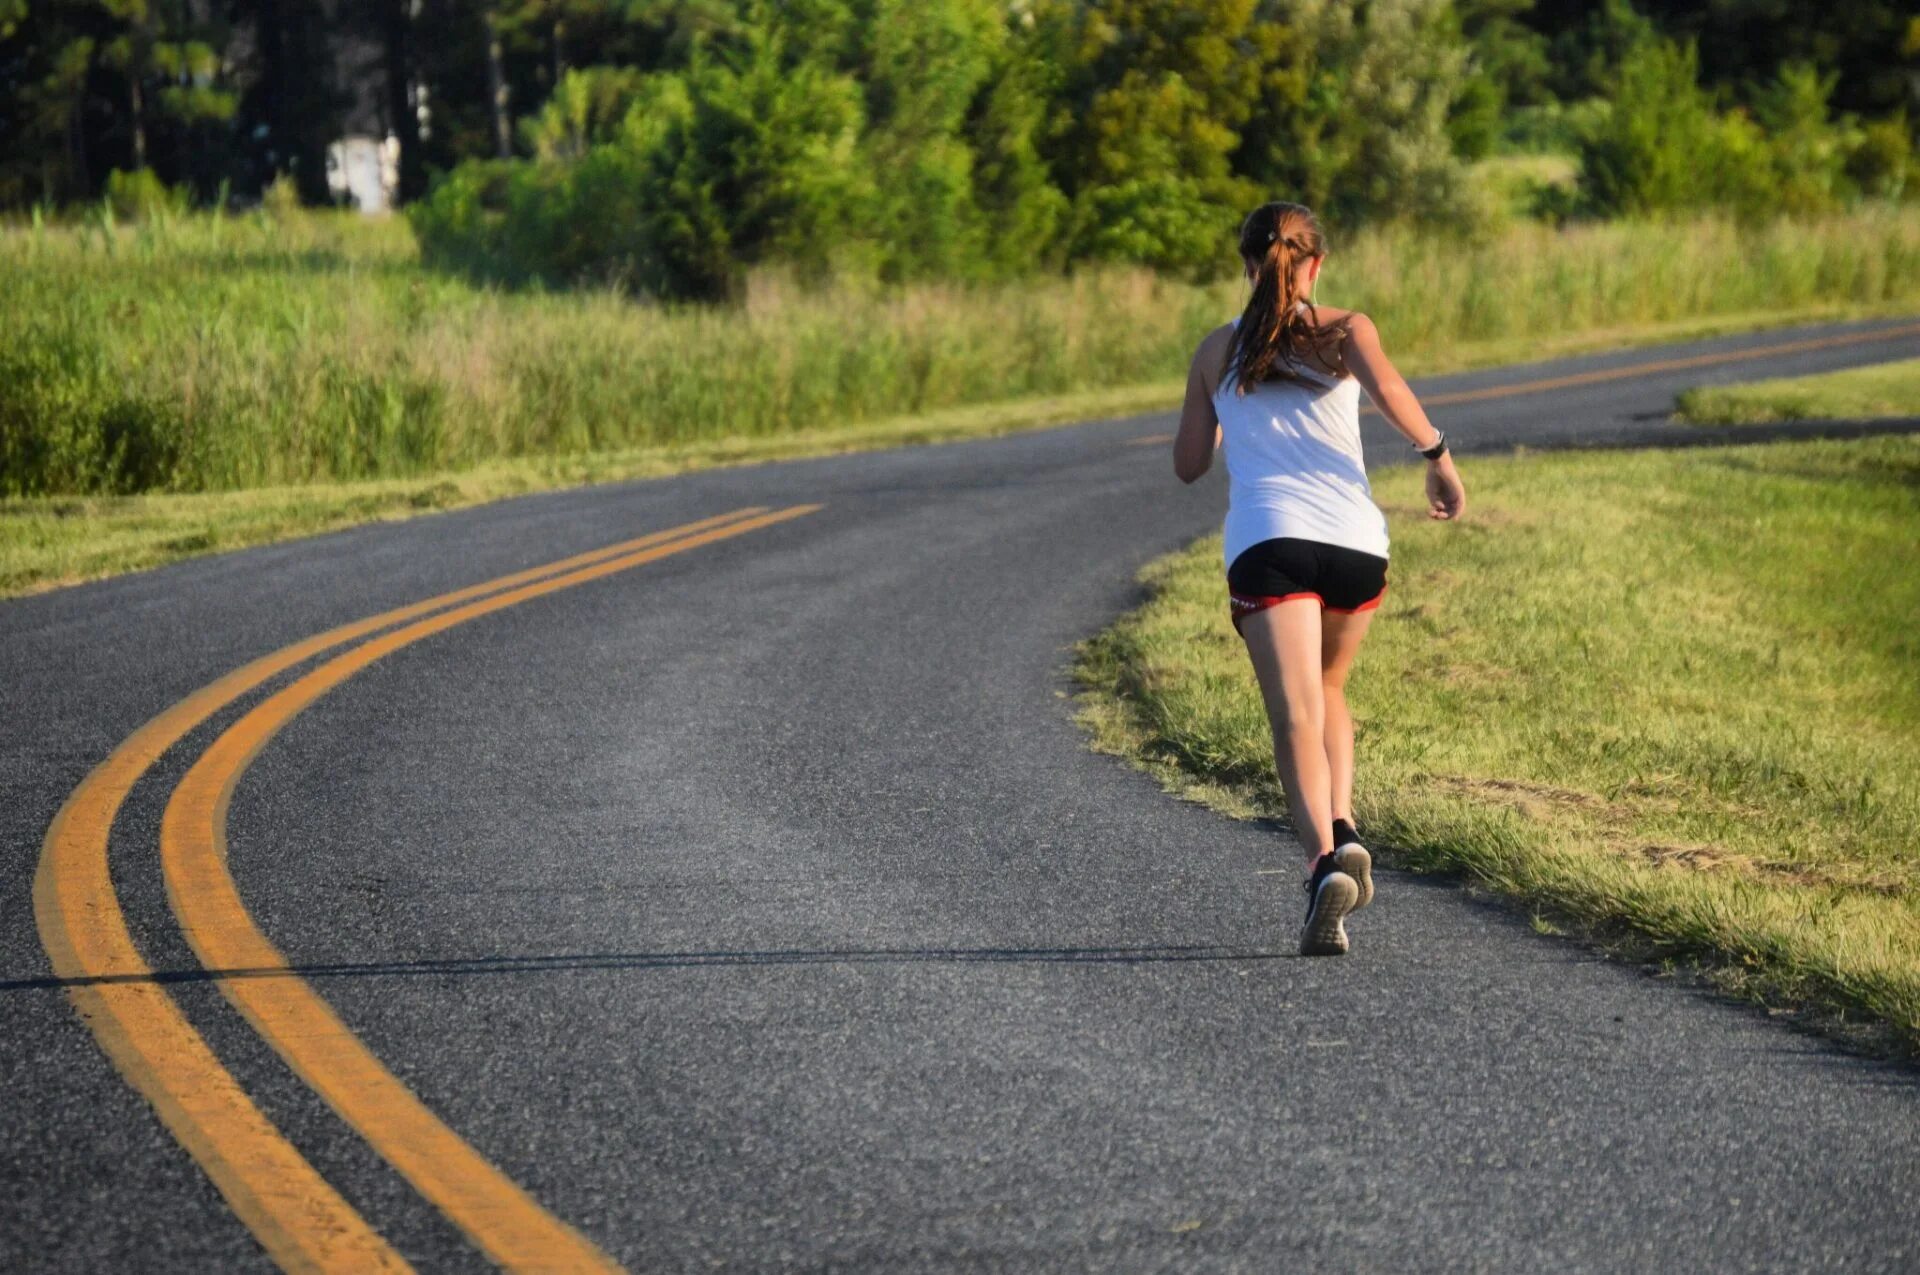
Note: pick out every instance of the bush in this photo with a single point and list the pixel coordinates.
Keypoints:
(1880, 162)
(281, 198)
(1808, 151)
(712, 171)
(544, 223)
(66, 426)
(1165, 222)
(1357, 124)
(1544, 128)
(587, 109)
(1661, 146)
(141, 196)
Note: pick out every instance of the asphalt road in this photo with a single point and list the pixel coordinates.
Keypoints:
(761, 908)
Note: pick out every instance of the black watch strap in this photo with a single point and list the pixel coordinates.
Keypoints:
(1438, 449)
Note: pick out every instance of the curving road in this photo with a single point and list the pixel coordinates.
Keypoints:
(748, 900)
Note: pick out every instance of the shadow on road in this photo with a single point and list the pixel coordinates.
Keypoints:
(685, 960)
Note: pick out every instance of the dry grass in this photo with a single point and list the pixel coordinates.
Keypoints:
(250, 352)
(50, 541)
(187, 386)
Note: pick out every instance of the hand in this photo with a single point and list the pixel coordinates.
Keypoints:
(1446, 494)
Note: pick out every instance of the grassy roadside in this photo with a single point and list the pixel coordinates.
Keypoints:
(1670, 700)
(50, 541)
(213, 353)
(1885, 389)
(46, 542)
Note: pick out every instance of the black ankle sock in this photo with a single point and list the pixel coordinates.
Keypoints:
(1343, 833)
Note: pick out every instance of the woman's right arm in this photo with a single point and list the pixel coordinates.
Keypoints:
(1446, 494)
(1199, 432)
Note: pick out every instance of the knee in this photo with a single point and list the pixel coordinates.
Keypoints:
(1299, 719)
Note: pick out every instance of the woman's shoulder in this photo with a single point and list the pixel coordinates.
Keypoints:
(1334, 317)
(1347, 323)
(1210, 356)
(1217, 341)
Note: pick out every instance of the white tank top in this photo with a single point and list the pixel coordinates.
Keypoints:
(1294, 466)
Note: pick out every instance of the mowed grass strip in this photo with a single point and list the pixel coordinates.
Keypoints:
(1670, 698)
(1884, 389)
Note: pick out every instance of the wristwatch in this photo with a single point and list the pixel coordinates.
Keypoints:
(1438, 449)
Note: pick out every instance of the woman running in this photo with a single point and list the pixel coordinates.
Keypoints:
(1306, 547)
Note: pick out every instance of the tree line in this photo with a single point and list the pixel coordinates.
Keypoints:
(666, 145)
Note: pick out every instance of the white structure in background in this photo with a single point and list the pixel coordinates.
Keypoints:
(364, 170)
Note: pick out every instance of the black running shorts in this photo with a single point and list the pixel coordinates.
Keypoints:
(1276, 571)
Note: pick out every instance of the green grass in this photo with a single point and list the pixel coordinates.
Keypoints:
(50, 541)
(1670, 699)
(1885, 389)
(222, 354)
(203, 383)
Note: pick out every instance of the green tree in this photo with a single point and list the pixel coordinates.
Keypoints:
(1353, 116)
(1506, 49)
(1507, 67)
(588, 108)
(1149, 99)
(45, 62)
(1880, 163)
(1662, 145)
(763, 165)
(1809, 148)
(294, 100)
(1022, 211)
(926, 61)
(748, 155)
(1745, 42)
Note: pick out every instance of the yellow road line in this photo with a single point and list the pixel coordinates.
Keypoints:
(1663, 365)
(1625, 373)
(303, 1223)
(499, 1217)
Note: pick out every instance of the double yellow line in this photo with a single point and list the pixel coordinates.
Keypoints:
(303, 1222)
(1632, 370)
(1629, 371)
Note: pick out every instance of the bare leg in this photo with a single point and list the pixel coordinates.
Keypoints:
(1284, 643)
(1339, 643)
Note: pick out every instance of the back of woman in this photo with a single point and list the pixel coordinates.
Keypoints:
(1292, 450)
(1306, 548)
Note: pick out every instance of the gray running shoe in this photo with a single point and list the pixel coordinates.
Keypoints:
(1354, 860)
(1331, 894)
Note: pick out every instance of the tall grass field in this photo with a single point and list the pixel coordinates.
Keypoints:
(210, 353)
(1673, 696)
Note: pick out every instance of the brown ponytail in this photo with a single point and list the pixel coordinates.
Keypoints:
(1274, 338)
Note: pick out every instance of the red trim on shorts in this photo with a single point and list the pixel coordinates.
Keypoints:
(1368, 605)
(1245, 604)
